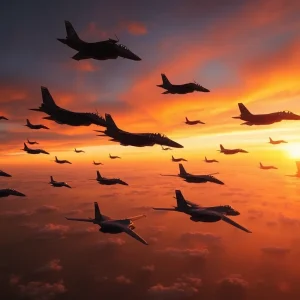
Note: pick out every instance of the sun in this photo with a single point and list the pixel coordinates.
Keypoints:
(293, 150)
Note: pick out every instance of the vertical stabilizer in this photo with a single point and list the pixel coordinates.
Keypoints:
(98, 215)
(181, 202)
(71, 32)
(110, 123)
(243, 109)
(182, 171)
(98, 175)
(51, 178)
(221, 147)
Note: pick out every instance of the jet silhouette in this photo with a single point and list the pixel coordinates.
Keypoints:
(58, 183)
(276, 142)
(79, 151)
(63, 116)
(178, 159)
(108, 225)
(231, 151)
(298, 170)
(63, 161)
(4, 174)
(134, 139)
(113, 156)
(10, 192)
(103, 50)
(97, 164)
(188, 122)
(34, 151)
(167, 148)
(180, 88)
(210, 160)
(264, 119)
(31, 126)
(266, 167)
(109, 181)
(204, 214)
(190, 178)
(32, 143)
(3, 118)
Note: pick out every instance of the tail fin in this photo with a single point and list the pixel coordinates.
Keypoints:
(165, 80)
(182, 171)
(186, 119)
(51, 178)
(25, 146)
(98, 175)
(181, 202)
(221, 147)
(47, 98)
(98, 215)
(56, 158)
(270, 140)
(243, 109)
(260, 164)
(205, 158)
(172, 157)
(28, 122)
(71, 33)
(110, 123)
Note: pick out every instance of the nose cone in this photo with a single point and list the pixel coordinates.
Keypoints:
(126, 53)
(244, 151)
(16, 193)
(66, 185)
(202, 89)
(122, 182)
(217, 181)
(45, 152)
(172, 144)
(4, 174)
(234, 213)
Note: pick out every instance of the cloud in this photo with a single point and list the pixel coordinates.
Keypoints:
(136, 28)
(45, 209)
(51, 231)
(123, 280)
(198, 253)
(181, 288)
(232, 287)
(110, 242)
(276, 251)
(204, 237)
(52, 265)
(148, 268)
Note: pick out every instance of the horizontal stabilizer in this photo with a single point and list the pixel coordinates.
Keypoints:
(80, 56)
(81, 220)
(161, 208)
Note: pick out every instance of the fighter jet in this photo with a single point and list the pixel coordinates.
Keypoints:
(180, 88)
(204, 214)
(266, 167)
(134, 139)
(64, 116)
(264, 119)
(108, 225)
(210, 160)
(109, 181)
(97, 164)
(79, 151)
(31, 126)
(298, 170)
(31, 143)
(58, 183)
(231, 151)
(276, 142)
(190, 178)
(108, 49)
(3, 118)
(113, 156)
(4, 174)
(178, 159)
(63, 161)
(188, 122)
(167, 148)
(10, 192)
(34, 151)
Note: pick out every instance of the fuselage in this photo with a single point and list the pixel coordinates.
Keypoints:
(200, 178)
(110, 181)
(178, 159)
(183, 88)
(210, 160)
(277, 142)
(62, 161)
(193, 122)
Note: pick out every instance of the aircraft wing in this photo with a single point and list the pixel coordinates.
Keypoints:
(82, 220)
(229, 221)
(168, 175)
(136, 217)
(192, 203)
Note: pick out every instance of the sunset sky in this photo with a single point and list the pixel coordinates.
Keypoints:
(242, 51)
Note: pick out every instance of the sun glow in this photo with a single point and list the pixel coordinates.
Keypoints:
(293, 150)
